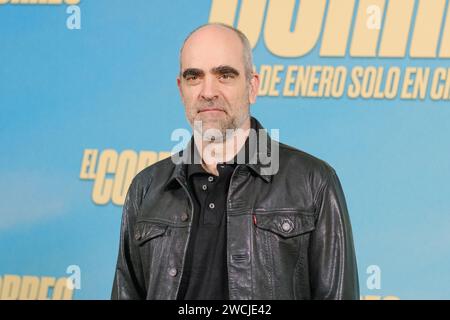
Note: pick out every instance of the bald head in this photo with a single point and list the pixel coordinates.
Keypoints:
(216, 82)
(212, 34)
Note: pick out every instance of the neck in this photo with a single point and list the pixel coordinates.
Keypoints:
(214, 152)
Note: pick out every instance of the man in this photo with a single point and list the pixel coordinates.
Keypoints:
(233, 225)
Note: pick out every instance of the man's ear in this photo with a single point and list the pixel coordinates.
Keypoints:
(179, 87)
(254, 87)
(179, 83)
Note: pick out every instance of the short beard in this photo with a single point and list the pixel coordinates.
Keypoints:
(219, 132)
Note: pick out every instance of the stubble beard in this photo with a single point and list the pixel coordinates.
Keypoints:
(217, 129)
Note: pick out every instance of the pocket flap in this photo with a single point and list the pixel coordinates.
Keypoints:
(144, 231)
(286, 224)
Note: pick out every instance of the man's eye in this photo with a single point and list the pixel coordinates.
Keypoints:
(191, 78)
(227, 76)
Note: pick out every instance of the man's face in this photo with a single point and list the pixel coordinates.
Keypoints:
(213, 84)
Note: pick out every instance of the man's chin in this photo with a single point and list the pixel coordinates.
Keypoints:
(209, 127)
(212, 119)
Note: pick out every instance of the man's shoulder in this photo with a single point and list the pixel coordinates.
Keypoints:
(159, 171)
(292, 157)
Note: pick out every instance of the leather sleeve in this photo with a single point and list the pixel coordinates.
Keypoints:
(128, 279)
(333, 268)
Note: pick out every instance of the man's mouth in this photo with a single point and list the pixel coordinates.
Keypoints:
(210, 110)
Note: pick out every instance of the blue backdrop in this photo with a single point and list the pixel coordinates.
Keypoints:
(88, 97)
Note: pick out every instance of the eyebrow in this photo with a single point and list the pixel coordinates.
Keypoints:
(216, 70)
(192, 72)
(224, 70)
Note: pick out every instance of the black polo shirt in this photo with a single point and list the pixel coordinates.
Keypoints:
(205, 273)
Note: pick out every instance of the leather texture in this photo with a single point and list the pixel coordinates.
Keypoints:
(288, 232)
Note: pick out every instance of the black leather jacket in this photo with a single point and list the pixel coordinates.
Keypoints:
(288, 233)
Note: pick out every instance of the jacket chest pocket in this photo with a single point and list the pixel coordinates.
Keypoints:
(283, 234)
(157, 239)
(145, 231)
(281, 244)
(151, 239)
(285, 224)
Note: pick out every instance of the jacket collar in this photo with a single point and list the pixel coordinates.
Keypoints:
(259, 153)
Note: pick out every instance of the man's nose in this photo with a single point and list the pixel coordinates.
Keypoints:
(209, 89)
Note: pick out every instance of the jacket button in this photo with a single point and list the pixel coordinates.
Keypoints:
(184, 217)
(173, 272)
(287, 226)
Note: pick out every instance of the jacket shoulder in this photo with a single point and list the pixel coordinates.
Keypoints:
(299, 168)
(159, 171)
(304, 160)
